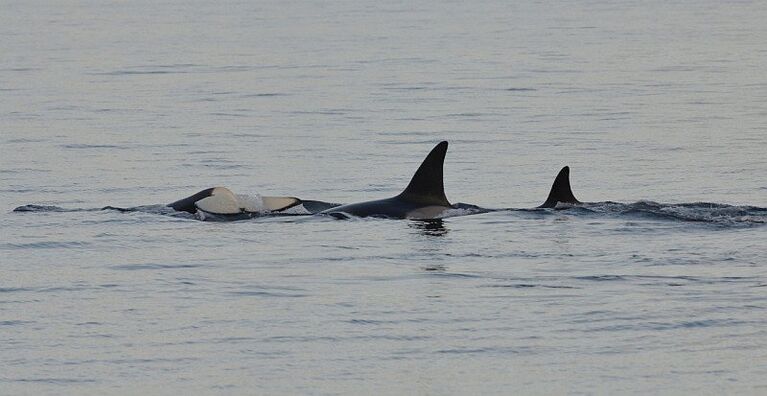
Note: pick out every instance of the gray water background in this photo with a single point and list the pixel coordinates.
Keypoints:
(132, 103)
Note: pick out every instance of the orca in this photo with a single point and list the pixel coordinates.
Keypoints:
(424, 198)
(219, 203)
(560, 193)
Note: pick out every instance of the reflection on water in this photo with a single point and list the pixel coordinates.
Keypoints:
(435, 227)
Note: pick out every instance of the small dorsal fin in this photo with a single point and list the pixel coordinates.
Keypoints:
(426, 186)
(560, 190)
(187, 204)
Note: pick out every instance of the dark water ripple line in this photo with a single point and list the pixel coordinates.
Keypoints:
(333, 339)
(14, 289)
(378, 322)
(642, 280)
(46, 245)
(50, 208)
(92, 146)
(531, 285)
(153, 266)
(707, 280)
(51, 380)
(489, 350)
(264, 95)
(53, 289)
(664, 326)
(266, 294)
(14, 322)
(25, 140)
(172, 69)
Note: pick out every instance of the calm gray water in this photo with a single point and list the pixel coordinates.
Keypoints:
(135, 103)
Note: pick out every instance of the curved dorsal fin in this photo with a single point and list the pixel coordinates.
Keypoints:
(187, 204)
(560, 190)
(426, 186)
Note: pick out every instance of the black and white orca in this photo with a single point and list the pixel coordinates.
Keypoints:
(219, 203)
(424, 198)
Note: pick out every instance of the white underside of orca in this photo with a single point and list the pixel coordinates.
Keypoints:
(222, 201)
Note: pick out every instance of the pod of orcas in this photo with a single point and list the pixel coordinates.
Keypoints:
(423, 199)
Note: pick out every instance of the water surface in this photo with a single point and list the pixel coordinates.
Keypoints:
(137, 103)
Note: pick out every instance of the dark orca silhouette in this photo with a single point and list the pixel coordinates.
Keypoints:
(424, 197)
(560, 190)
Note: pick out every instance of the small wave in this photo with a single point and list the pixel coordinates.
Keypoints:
(703, 212)
(674, 280)
(52, 380)
(13, 289)
(92, 146)
(47, 245)
(266, 294)
(458, 275)
(134, 267)
(43, 208)
(13, 322)
(486, 350)
(601, 278)
(530, 286)
(25, 140)
(157, 209)
(264, 95)
(663, 326)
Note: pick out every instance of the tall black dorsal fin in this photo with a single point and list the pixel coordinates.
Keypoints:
(426, 186)
(560, 190)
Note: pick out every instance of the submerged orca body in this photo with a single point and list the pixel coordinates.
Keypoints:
(424, 197)
(221, 203)
(560, 191)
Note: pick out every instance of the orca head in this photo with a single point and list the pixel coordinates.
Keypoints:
(560, 190)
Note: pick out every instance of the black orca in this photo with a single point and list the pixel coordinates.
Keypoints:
(220, 203)
(560, 191)
(424, 197)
